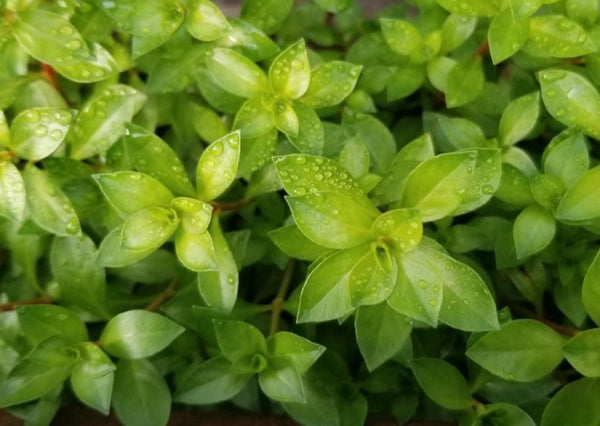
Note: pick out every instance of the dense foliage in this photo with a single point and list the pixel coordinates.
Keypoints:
(302, 210)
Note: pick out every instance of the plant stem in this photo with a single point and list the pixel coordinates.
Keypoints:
(11, 306)
(162, 297)
(559, 328)
(229, 205)
(50, 75)
(483, 48)
(278, 301)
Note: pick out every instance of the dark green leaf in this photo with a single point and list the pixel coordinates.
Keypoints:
(582, 352)
(533, 230)
(442, 382)
(590, 291)
(578, 403)
(43, 321)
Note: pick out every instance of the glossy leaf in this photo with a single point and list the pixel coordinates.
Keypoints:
(401, 227)
(294, 243)
(111, 253)
(237, 339)
(99, 65)
(333, 6)
(472, 7)
(456, 30)
(268, 15)
(217, 167)
(285, 119)
(195, 250)
(505, 414)
(522, 350)
(12, 192)
(205, 21)
(310, 138)
(580, 201)
(289, 73)
(578, 402)
(300, 352)
(44, 321)
(557, 36)
(282, 382)
(138, 334)
(36, 133)
(533, 230)
(582, 352)
(568, 144)
(148, 228)
(442, 382)
(453, 134)
(236, 73)
(590, 291)
(402, 37)
(506, 35)
(330, 83)
(464, 82)
(519, 118)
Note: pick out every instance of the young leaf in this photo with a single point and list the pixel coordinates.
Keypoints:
(401, 227)
(138, 334)
(195, 250)
(219, 287)
(92, 377)
(571, 145)
(286, 119)
(148, 228)
(289, 73)
(456, 30)
(217, 167)
(205, 21)
(452, 133)
(533, 230)
(405, 81)
(380, 333)
(332, 220)
(572, 99)
(402, 37)
(294, 243)
(281, 381)
(267, 15)
(506, 35)
(472, 7)
(519, 118)
(333, 6)
(237, 339)
(464, 82)
(522, 350)
(43, 321)
(442, 382)
(111, 253)
(210, 382)
(580, 201)
(330, 83)
(577, 403)
(590, 290)
(255, 117)
(130, 192)
(36, 133)
(12, 192)
(236, 73)
(582, 352)
(557, 36)
(48, 206)
(302, 353)
(311, 137)
(141, 396)
(99, 65)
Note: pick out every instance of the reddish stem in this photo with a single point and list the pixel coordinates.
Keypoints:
(11, 306)
(228, 205)
(50, 75)
(483, 49)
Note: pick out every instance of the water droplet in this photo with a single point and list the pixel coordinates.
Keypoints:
(56, 134)
(41, 130)
(32, 116)
(73, 44)
(422, 284)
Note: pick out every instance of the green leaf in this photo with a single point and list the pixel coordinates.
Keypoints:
(236, 73)
(330, 83)
(583, 11)
(255, 117)
(267, 15)
(354, 157)
(289, 74)
(40, 322)
(151, 155)
(48, 206)
(251, 41)
(533, 230)
(506, 35)
(519, 118)
(92, 377)
(578, 403)
(332, 220)
(217, 167)
(472, 7)
(36, 133)
(111, 253)
(402, 37)
(138, 334)
(580, 201)
(333, 6)
(310, 138)
(405, 81)
(281, 381)
(130, 192)
(219, 288)
(12, 192)
(205, 21)
(380, 333)
(582, 352)
(237, 339)
(195, 215)
(149, 228)
(42, 370)
(300, 352)
(210, 382)
(101, 121)
(195, 250)
(141, 396)
(294, 243)
(99, 65)
(285, 119)
(522, 350)
(504, 415)
(442, 382)
(590, 290)
(557, 36)
(456, 30)
(572, 99)
(453, 133)
(402, 228)
(569, 144)
(464, 82)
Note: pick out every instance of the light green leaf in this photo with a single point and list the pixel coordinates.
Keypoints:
(141, 396)
(332, 220)
(40, 322)
(101, 121)
(442, 382)
(456, 30)
(583, 11)
(402, 37)
(380, 333)
(333, 6)
(267, 15)
(48, 206)
(4, 131)
(533, 230)
(578, 403)
(502, 414)
(195, 215)
(406, 80)
(99, 65)
(590, 290)
(92, 377)
(519, 118)
(217, 167)
(255, 117)
(289, 73)
(580, 202)
(286, 119)
(453, 133)
(506, 35)
(572, 99)
(111, 253)
(311, 137)
(138, 334)
(472, 7)
(583, 352)
(330, 83)
(130, 192)
(522, 350)
(294, 243)
(355, 158)
(236, 73)
(205, 21)
(281, 381)
(219, 287)
(148, 228)
(402, 228)
(195, 251)
(568, 144)
(557, 36)
(36, 133)
(12, 192)
(237, 339)
(302, 353)
(464, 82)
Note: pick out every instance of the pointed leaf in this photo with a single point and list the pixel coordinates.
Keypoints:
(217, 167)
(36, 133)
(289, 73)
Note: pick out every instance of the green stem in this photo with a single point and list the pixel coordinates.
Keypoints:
(279, 300)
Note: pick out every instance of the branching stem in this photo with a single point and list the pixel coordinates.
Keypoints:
(279, 300)
(11, 306)
(162, 297)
